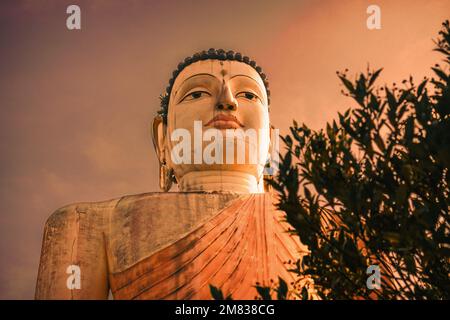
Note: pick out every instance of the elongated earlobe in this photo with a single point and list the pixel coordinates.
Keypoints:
(158, 136)
(268, 174)
(166, 176)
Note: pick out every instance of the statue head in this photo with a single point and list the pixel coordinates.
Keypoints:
(214, 120)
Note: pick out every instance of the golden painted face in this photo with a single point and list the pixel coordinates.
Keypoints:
(220, 98)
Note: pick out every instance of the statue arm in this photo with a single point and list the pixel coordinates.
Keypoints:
(73, 257)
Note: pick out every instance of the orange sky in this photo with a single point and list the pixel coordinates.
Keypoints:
(76, 106)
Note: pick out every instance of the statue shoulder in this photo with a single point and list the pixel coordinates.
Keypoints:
(70, 211)
(173, 199)
(146, 198)
(101, 209)
(73, 238)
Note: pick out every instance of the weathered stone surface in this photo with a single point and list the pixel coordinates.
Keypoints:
(166, 246)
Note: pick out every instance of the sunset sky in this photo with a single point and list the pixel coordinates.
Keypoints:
(76, 106)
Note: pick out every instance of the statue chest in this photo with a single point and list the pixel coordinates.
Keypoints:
(176, 249)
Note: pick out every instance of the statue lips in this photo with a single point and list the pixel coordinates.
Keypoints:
(224, 121)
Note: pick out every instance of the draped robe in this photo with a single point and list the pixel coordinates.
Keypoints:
(169, 246)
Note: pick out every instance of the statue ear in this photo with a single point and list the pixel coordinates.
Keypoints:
(269, 174)
(158, 137)
(271, 137)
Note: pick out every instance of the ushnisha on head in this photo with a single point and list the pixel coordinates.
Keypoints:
(204, 133)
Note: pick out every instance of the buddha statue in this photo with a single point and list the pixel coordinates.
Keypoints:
(220, 228)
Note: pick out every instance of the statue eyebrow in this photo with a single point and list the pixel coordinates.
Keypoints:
(198, 74)
(243, 75)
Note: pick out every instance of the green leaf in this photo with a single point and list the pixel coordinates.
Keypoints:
(347, 84)
(441, 74)
(264, 292)
(410, 264)
(409, 129)
(305, 295)
(308, 194)
(282, 289)
(216, 292)
(379, 142)
(374, 76)
(421, 87)
(391, 100)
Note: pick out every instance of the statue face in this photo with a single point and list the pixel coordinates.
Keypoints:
(216, 103)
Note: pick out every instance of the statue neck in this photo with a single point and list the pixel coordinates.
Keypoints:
(220, 181)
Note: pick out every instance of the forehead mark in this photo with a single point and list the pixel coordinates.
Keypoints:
(223, 72)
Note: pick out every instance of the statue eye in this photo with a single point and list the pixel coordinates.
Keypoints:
(247, 95)
(196, 95)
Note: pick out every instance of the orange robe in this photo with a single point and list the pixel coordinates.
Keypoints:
(243, 244)
(167, 246)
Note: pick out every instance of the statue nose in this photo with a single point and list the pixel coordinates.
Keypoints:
(226, 100)
(230, 107)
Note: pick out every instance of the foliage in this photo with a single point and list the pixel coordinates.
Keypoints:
(217, 293)
(373, 189)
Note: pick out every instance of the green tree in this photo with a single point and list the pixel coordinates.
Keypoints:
(373, 189)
